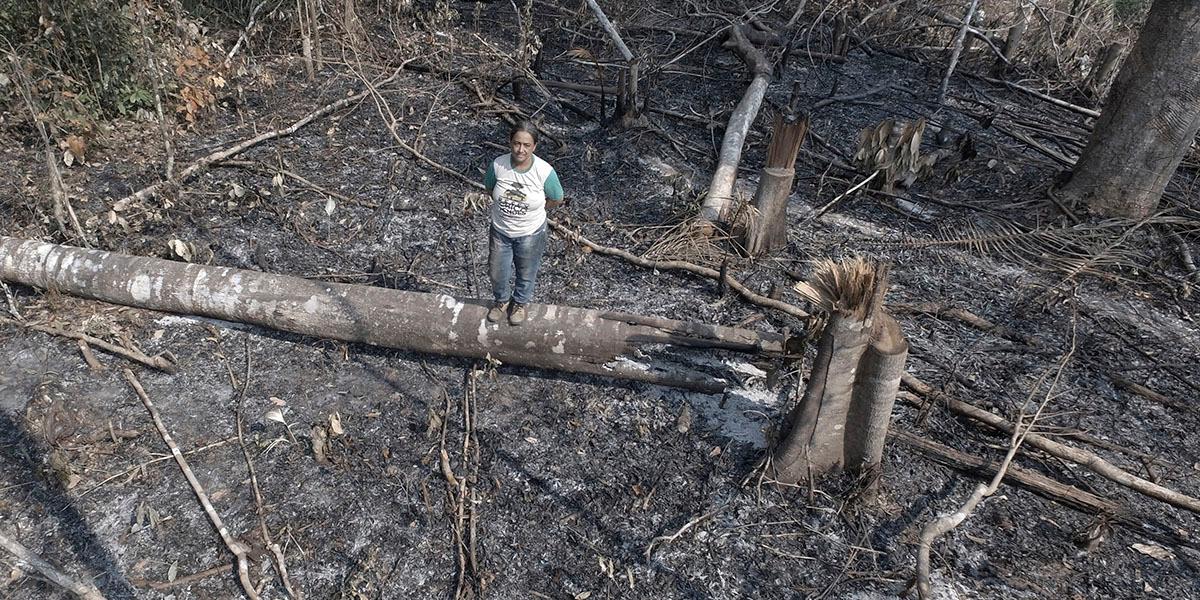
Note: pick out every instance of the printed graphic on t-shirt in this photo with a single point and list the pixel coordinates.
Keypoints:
(512, 201)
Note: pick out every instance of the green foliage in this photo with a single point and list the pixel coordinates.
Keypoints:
(85, 47)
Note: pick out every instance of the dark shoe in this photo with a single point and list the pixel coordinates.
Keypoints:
(497, 311)
(517, 315)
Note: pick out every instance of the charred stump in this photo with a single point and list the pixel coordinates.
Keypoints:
(842, 419)
(766, 229)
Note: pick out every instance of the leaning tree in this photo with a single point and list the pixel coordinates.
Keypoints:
(1150, 119)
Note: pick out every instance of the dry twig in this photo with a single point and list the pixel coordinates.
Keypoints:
(82, 590)
(276, 551)
(238, 549)
(1019, 433)
(1088, 460)
(163, 362)
(207, 161)
(667, 265)
(665, 539)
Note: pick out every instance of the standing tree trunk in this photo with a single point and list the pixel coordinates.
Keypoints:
(1012, 42)
(555, 337)
(1150, 119)
(843, 418)
(629, 101)
(1097, 81)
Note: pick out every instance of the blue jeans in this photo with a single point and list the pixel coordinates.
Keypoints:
(525, 254)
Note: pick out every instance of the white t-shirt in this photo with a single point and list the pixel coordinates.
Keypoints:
(519, 197)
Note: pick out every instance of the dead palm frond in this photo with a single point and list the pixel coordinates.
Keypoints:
(1108, 249)
(853, 287)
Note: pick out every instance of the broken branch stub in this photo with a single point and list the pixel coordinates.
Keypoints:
(554, 337)
(843, 417)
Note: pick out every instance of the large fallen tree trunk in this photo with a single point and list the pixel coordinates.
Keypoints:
(554, 337)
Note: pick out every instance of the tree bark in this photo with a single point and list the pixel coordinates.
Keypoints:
(1150, 119)
(554, 337)
(720, 191)
(843, 418)
(1012, 42)
(875, 388)
(767, 230)
(1098, 78)
(815, 436)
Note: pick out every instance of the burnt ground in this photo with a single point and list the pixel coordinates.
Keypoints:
(576, 476)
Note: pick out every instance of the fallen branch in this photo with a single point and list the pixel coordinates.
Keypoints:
(664, 539)
(1048, 98)
(679, 265)
(1031, 480)
(957, 50)
(82, 590)
(610, 29)
(720, 191)
(180, 581)
(940, 309)
(238, 549)
(152, 461)
(1071, 454)
(974, 32)
(1153, 396)
(276, 551)
(849, 97)
(207, 161)
(1020, 432)
(163, 362)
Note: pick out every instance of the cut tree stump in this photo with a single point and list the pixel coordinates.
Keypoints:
(767, 227)
(842, 419)
(554, 337)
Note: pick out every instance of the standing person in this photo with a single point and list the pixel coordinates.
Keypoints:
(522, 186)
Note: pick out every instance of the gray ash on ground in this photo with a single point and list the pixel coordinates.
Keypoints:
(577, 476)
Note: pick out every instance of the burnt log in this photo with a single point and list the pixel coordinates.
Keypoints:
(554, 337)
(719, 199)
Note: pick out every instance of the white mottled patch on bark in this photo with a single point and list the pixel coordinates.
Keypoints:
(551, 312)
(452, 304)
(559, 348)
(312, 305)
(483, 341)
(530, 345)
(67, 264)
(197, 283)
(139, 287)
(453, 335)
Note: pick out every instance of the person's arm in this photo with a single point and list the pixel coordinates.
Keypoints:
(554, 191)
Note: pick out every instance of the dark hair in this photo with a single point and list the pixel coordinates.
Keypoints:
(527, 127)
